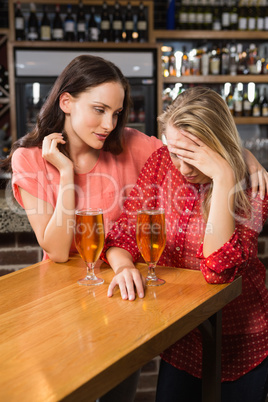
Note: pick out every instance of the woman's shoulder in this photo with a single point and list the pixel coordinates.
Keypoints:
(25, 157)
(137, 138)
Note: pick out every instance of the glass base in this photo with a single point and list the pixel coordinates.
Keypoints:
(154, 281)
(90, 281)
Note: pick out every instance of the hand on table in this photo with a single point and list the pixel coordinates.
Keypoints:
(128, 280)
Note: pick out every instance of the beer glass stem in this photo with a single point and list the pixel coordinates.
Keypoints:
(90, 272)
(151, 278)
(151, 272)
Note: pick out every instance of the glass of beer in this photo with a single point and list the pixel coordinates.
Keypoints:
(151, 240)
(89, 239)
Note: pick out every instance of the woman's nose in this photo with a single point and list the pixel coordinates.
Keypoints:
(108, 122)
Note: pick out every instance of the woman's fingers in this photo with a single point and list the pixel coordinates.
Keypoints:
(129, 282)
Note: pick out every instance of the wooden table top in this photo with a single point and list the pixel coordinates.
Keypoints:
(59, 340)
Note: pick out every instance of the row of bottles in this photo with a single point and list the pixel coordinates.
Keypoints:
(222, 14)
(103, 23)
(243, 100)
(222, 59)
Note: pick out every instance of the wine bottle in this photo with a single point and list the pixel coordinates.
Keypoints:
(260, 16)
(185, 63)
(57, 31)
(264, 104)
(208, 15)
(182, 16)
(238, 103)
(256, 108)
(242, 16)
(33, 25)
(69, 25)
(19, 23)
(93, 30)
(192, 15)
(246, 105)
(81, 23)
(45, 31)
(234, 16)
(129, 23)
(117, 23)
(230, 100)
(172, 65)
(105, 25)
(225, 59)
(225, 16)
(216, 24)
(252, 16)
(200, 15)
(142, 25)
(214, 61)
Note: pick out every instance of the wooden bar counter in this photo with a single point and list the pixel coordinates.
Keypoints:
(62, 341)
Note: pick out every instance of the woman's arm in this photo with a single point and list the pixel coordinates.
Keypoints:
(54, 227)
(257, 173)
(127, 277)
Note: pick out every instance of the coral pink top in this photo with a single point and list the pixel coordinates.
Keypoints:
(106, 186)
(244, 320)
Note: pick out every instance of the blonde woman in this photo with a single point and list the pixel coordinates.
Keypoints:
(212, 224)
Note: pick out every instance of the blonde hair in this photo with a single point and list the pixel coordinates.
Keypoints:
(203, 113)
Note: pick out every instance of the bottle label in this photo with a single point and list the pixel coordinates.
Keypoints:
(260, 24)
(117, 25)
(32, 35)
(81, 27)
(242, 24)
(247, 107)
(256, 111)
(19, 23)
(225, 19)
(216, 26)
(208, 18)
(215, 66)
(183, 18)
(266, 23)
(200, 18)
(238, 106)
(69, 26)
(233, 18)
(94, 34)
(265, 111)
(251, 24)
(192, 18)
(57, 33)
(142, 25)
(129, 25)
(45, 33)
(105, 25)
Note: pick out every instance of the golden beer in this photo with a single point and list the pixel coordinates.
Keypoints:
(151, 234)
(89, 235)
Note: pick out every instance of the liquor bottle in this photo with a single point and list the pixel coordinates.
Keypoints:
(81, 23)
(183, 16)
(264, 104)
(57, 31)
(142, 25)
(252, 15)
(129, 23)
(69, 25)
(233, 62)
(45, 31)
(246, 105)
(19, 23)
(256, 108)
(185, 64)
(266, 17)
(200, 15)
(208, 15)
(225, 16)
(105, 25)
(192, 16)
(230, 100)
(225, 59)
(172, 65)
(33, 25)
(93, 30)
(216, 24)
(238, 103)
(260, 15)
(242, 16)
(214, 61)
(253, 60)
(241, 63)
(234, 16)
(205, 60)
(265, 61)
(117, 24)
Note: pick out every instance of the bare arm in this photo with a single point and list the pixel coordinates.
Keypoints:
(127, 277)
(258, 175)
(54, 227)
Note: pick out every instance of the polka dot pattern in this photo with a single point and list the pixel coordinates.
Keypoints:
(244, 321)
